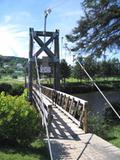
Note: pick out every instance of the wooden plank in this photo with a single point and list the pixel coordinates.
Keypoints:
(41, 33)
(65, 112)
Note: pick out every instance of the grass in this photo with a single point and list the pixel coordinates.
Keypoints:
(37, 151)
(97, 79)
(8, 79)
(113, 134)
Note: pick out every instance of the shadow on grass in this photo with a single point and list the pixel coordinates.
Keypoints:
(109, 138)
(38, 150)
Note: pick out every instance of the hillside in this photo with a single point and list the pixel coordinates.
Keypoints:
(10, 65)
(11, 60)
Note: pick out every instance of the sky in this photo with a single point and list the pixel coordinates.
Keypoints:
(17, 16)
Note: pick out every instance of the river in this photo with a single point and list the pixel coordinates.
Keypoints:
(96, 103)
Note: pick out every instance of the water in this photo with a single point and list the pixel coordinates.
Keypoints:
(96, 103)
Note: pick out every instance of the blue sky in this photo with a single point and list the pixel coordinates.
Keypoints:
(16, 16)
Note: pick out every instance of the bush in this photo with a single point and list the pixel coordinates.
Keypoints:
(17, 89)
(5, 87)
(14, 76)
(97, 125)
(19, 122)
(110, 115)
(14, 89)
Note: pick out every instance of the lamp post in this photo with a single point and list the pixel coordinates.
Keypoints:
(46, 12)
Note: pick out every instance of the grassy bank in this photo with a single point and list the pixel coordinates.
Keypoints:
(8, 79)
(107, 128)
(113, 134)
(37, 151)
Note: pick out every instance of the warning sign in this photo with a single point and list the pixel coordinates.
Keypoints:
(45, 69)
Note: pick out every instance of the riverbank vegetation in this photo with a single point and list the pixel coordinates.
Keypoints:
(21, 132)
(106, 126)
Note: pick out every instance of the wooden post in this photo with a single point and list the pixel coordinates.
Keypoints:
(50, 117)
(57, 63)
(85, 125)
(30, 63)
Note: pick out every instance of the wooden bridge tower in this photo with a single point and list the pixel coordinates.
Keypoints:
(54, 56)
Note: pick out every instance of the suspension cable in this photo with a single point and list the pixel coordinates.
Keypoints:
(46, 127)
(98, 88)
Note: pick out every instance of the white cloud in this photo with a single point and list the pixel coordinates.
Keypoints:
(7, 19)
(12, 42)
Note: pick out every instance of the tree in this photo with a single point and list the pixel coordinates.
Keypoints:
(99, 29)
(90, 65)
(65, 70)
(77, 70)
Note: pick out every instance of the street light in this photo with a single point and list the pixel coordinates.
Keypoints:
(46, 12)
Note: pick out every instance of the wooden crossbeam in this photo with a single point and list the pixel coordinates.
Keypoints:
(44, 46)
(40, 33)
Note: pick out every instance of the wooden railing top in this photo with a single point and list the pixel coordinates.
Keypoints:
(68, 95)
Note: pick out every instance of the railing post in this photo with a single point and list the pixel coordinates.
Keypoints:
(57, 63)
(85, 121)
(30, 64)
(50, 117)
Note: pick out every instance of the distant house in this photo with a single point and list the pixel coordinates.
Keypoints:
(19, 66)
(5, 65)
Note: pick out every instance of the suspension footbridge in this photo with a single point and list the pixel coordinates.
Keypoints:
(64, 116)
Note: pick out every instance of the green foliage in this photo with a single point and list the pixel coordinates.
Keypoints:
(110, 116)
(14, 76)
(65, 70)
(12, 89)
(10, 65)
(36, 151)
(98, 30)
(17, 89)
(105, 68)
(105, 128)
(5, 87)
(97, 125)
(19, 122)
(113, 134)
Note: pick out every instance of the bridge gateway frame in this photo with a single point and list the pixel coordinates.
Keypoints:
(54, 56)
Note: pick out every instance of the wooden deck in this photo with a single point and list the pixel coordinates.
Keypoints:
(70, 142)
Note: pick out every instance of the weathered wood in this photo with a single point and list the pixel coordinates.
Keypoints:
(43, 106)
(85, 121)
(73, 106)
(57, 64)
(45, 48)
(30, 63)
(40, 33)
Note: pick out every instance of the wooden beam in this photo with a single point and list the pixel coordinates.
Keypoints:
(46, 49)
(31, 30)
(57, 64)
(40, 33)
(44, 46)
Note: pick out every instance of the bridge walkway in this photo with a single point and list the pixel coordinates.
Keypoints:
(68, 141)
(71, 143)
